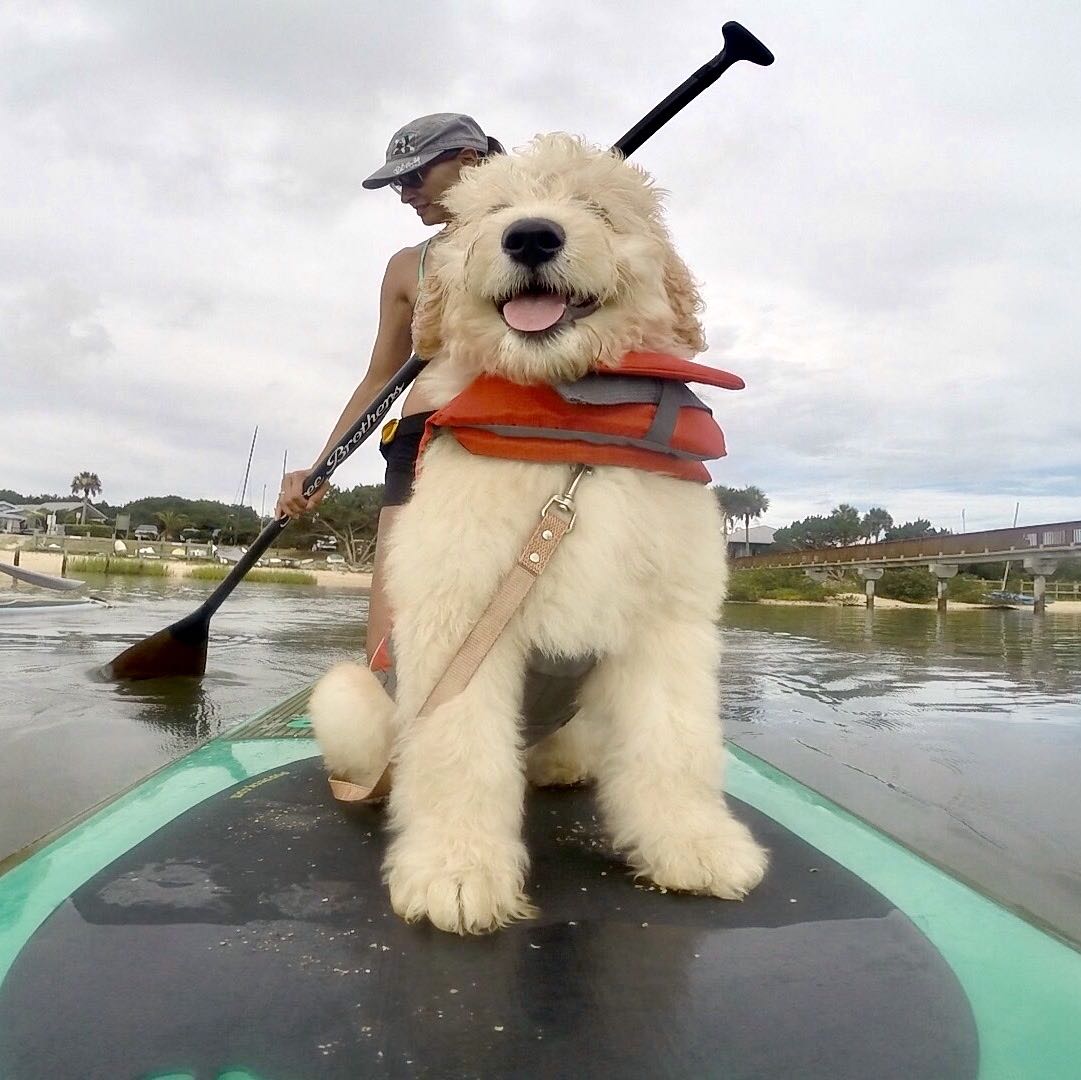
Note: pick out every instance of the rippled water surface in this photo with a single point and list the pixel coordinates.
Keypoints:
(960, 735)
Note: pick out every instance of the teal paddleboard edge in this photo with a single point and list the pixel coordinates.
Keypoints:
(34, 888)
(1024, 985)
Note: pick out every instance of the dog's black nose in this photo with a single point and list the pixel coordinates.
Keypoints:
(533, 241)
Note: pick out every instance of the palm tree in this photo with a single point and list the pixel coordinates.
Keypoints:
(845, 521)
(728, 500)
(89, 484)
(875, 522)
(753, 503)
(171, 523)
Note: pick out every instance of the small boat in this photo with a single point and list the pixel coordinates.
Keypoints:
(226, 918)
(1012, 599)
(47, 603)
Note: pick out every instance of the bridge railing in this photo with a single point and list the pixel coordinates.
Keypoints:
(1057, 538)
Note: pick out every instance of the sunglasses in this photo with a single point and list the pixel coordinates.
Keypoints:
(410, 181)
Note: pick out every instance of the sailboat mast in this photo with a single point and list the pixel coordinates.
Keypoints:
(244, 486)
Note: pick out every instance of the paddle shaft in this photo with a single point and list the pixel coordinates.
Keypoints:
(740, 44)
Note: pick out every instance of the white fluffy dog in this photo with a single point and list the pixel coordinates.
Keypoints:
(638, 583)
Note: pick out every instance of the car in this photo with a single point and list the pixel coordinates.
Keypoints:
(325, 543)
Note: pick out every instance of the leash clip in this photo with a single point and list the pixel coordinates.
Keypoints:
(565, 500)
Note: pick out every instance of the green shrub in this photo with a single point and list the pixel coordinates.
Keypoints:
(741, 587)
(814, 592)
(913, 584)
(108, 564)
(769, 583)
(273, 577)
(967, 589)
(99, 531)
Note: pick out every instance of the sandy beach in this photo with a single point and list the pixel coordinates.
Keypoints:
(49, 562)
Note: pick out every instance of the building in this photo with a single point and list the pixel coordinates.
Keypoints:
(93, 515)
(12, 520)
(760, 539)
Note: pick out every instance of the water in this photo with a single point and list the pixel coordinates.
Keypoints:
(958, 735)
(69, 739)
(961, 736)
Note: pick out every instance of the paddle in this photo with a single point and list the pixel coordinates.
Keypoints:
(45, 581)
(180, 649)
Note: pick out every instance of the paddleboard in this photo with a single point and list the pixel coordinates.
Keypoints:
(225, 920)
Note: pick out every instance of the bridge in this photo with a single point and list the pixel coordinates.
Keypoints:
(1039, 548)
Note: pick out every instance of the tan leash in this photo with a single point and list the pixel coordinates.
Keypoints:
(557, 519)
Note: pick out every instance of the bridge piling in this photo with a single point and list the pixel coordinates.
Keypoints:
(1040, 566)
(870, 575)
(943, 572)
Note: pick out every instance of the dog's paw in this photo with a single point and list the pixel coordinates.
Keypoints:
(728, 863)
(467, 899)
(561, 759)
(352, 718)
(549, 767)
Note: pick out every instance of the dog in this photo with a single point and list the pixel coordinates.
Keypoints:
(557, 265)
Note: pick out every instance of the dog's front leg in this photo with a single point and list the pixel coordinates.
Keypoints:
(457, 856)
(660, 771)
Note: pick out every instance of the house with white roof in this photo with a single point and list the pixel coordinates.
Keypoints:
(758, 540)
(74, 506)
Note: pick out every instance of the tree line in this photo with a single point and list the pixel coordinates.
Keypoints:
(843, 526)
(349, 515)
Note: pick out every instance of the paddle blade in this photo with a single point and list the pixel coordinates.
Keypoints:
(179, 649)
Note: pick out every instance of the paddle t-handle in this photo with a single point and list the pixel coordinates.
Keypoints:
(739, 44)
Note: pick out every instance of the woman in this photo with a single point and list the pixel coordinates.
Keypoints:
(423, 160)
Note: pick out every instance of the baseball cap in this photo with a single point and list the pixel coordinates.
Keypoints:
(420, 141)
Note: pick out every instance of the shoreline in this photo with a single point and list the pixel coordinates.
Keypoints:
(49, 562)
(885, 603)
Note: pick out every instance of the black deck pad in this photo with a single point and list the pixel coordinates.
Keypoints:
(252, 938)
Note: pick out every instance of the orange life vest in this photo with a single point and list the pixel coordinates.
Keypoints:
(640, 415)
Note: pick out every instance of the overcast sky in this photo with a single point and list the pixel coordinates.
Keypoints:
(885, 223)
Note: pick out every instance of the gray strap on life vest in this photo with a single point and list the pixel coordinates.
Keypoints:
(664, 419)
(627, 390)
(592, 437)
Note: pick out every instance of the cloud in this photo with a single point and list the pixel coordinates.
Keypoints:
(884, 224)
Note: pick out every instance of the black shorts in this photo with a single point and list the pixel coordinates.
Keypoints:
(401, 454)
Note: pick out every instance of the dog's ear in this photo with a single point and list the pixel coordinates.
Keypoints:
(428, 313)
(685, 302)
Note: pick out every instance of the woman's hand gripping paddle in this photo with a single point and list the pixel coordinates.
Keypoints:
(180, 649)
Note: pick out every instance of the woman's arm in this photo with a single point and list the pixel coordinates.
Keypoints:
(392, 348)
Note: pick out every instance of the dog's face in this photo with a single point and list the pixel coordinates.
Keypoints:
(557, 261)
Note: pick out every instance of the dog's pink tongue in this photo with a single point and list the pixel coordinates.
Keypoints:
(533, 312)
